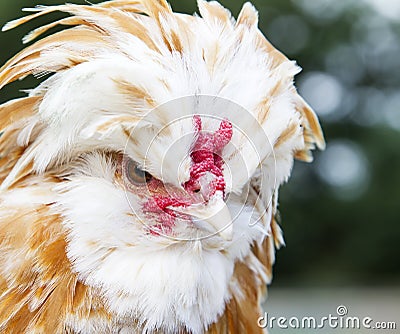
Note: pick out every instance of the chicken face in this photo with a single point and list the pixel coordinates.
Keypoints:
(202, 196)
(188, 180)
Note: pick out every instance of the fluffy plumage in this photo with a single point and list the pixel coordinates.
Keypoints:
(119, 171)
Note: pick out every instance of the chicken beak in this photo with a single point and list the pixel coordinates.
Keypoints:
(215, 213)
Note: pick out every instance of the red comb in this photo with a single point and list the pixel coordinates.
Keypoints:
(206, 154)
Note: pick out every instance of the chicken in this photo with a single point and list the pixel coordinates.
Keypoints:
(139, 179)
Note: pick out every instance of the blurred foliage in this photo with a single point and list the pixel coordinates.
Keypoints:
(340, 215)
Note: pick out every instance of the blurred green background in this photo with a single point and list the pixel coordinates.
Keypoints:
(341, 214)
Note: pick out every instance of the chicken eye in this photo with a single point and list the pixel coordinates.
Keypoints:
(134, 174)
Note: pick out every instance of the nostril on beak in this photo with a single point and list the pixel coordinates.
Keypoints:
(196, 191)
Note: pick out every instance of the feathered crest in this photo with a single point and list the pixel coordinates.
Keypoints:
(154, 32)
